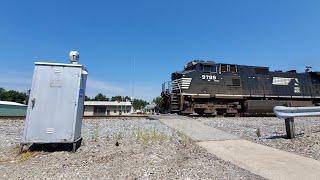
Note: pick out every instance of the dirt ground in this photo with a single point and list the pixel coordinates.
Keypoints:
(115, 149)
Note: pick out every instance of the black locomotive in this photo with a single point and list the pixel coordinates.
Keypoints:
(209, 88)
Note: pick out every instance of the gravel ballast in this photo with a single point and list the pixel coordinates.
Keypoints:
(270, 131)
(116, 149)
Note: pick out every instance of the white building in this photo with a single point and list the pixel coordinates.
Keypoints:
(150, 108)
(107, 108)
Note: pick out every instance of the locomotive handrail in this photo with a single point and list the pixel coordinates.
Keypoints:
(288, 113)
(168, 88)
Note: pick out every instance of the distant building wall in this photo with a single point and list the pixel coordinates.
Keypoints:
(12, 110)
(150, 109)
(88, 110)
(106, 108)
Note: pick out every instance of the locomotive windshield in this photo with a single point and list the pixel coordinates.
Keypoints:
(208, 68)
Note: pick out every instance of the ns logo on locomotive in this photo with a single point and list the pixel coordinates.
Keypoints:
(206, 87)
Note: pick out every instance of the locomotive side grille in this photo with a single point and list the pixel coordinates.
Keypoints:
(235, 82)
(182, 83)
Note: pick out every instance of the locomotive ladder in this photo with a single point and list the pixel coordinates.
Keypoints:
(175, 102)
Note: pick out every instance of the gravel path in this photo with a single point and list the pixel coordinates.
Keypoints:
(272, 132)
(147, 150)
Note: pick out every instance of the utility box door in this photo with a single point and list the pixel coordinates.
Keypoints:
(53, 104)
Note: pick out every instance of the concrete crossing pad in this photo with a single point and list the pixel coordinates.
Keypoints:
(197, 130)
(262, 160)
(265, 161)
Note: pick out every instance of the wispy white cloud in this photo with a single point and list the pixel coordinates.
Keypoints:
(146, 91)
(21, 81)
(141, 90)
(95, 86)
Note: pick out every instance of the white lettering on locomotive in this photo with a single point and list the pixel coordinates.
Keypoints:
(209, 77)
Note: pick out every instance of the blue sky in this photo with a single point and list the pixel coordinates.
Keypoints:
(160, 35)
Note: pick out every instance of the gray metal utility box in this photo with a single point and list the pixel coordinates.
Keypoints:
(55, 107)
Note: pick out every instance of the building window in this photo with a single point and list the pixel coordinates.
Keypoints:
(99, 109)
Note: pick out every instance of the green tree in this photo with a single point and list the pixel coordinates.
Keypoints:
(101, 97)
(120, 98)
(2, 93)
(139, 104)
(87, 98)
(157, 101)
(127, 98)
(116, 98)
(13, 96)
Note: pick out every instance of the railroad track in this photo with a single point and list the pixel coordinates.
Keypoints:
(84, 117)
(144, 116)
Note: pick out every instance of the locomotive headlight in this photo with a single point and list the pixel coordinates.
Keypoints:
(74, 57)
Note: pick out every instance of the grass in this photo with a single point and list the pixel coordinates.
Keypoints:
(107, 138)
(150, 136)
(119, 136)
(258, 132)
(16, 149)
(95, 134)
(24, 155)
(27, 155)
(183, 139)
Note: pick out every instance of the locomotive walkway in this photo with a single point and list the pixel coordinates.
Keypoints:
(262, 160)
